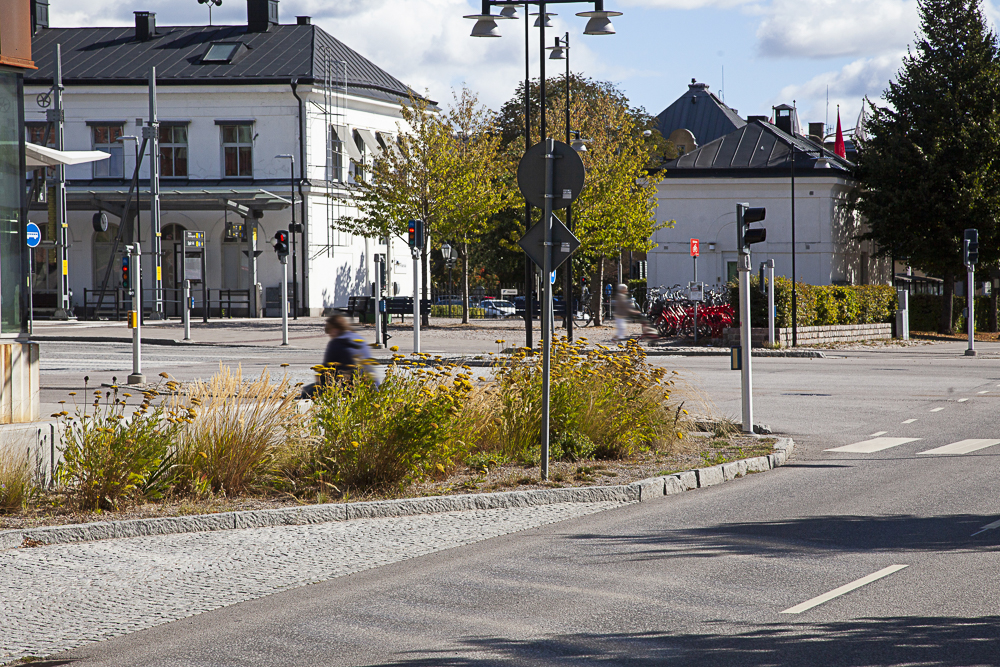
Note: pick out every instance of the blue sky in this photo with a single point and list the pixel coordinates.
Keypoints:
(773, 51)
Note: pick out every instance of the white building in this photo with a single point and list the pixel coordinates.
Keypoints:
(229, 100)
(752, 162)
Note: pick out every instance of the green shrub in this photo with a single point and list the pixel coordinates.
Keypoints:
(925, 312)
(456, 311)
(818, 305)
(110, 458)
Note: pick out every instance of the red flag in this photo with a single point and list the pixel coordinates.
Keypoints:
(838, 145)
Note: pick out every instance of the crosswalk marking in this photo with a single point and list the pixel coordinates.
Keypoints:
(873, 445)
(989, 526)
(963, 446)
(936, 409)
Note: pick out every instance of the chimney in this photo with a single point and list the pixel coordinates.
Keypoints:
(303, 20)
(145, 26)
(762, 119)
(39, 15)
(816, 132)
(261, 15)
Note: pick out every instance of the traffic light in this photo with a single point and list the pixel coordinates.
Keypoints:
(744, 235)
(280, 243)
(126, 277)
(416, 232)
(971, 247)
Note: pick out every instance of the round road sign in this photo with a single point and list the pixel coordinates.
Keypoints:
(33, 235)
(568, 175)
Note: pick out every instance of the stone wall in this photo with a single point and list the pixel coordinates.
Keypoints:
(840, 333)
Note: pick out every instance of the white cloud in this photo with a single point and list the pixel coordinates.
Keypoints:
(682, 4)
(864, 77)
(836, 28)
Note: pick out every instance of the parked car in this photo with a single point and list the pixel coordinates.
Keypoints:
(497, 308)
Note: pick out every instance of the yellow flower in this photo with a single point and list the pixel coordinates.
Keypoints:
(355, 444)
(394, 348)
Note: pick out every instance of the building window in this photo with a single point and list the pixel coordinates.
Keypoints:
(237, 151)
(360, 161)
(173, 151)
(106, 139)
(337, 153)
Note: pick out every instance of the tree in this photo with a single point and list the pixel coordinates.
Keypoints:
(930, 167)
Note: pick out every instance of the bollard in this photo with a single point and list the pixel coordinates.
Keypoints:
(187, 310)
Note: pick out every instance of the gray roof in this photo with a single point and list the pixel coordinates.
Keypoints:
(757, 149)
(113, 56)
(701, 112)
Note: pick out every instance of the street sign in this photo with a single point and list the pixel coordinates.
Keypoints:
(564, 243)
(696, 291)
(504, 293)
(33, 235)
(568, 175)
(694, 248)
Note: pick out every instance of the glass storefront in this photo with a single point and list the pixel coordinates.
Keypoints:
(13, 250)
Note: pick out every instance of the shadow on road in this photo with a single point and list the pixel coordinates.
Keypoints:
(812, 535)
(875, 642)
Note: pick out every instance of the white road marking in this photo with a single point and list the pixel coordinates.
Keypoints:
(936, 409)
(846, 588)
(989, 526)
(984, 391)
(877, 434)
(962, 447)
(908, 421)
(873, 445)
(962, 400)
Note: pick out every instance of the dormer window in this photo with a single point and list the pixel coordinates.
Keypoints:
(221, 52)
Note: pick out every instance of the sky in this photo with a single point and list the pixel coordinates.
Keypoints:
(754, 53)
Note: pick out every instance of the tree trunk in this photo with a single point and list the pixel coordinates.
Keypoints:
(465, 283)
(597, 292)
(946, 324)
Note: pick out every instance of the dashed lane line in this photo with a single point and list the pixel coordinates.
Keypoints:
(962, 400)
(873, 445)
(936, 409)
(963, 446)
(908, 421)
(877, 434)
(984, 391)
(846, 588)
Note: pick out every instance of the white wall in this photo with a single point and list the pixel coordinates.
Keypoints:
(705, 208)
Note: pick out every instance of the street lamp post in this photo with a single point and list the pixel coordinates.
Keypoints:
(449, 254)
(561, 52)
(291, 232)
(598, 23)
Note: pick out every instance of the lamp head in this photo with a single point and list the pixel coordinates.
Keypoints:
(600, 21)
(486, 25)
(508, 11)
(547, 16)
(558, 52)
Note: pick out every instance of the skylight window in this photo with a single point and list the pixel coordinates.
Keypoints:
(220, 52)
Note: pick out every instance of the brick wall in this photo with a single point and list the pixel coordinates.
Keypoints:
(841, 333)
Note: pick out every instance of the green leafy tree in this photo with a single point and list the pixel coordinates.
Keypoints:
(930, 167)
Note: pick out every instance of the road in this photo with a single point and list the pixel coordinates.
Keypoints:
(749, 573)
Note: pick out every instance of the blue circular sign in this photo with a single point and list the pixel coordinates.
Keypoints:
(34, 235)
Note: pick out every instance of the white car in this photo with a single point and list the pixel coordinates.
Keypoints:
(497, 308)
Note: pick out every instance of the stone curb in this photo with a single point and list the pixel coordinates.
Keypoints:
(641, 491)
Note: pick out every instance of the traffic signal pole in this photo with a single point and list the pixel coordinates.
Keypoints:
(135, 317)
(284, 300)
(745, 237)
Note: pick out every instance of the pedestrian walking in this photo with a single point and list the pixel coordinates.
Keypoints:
(624, 310)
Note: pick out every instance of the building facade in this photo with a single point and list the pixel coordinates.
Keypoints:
(249, 118)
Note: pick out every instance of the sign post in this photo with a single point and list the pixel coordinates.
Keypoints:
(550, 176)
(971, 256)
(695, 251)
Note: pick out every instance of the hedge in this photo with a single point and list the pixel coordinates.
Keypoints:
(818, 305)
(925, 312)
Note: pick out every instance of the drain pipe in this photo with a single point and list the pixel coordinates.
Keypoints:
(303, 248)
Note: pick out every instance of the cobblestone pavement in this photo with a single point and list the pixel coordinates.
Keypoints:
(53, 598)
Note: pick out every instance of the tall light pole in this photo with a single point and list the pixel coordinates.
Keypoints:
(598, 23)
(561, 52)
(291, 229)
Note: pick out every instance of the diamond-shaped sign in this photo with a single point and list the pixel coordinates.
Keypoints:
(564, 243)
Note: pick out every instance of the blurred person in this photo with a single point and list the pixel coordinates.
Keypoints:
(345, 355)
(624, 310)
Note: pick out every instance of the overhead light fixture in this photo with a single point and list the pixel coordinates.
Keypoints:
(599, 23)
(486, 25)
(547, 15)
(558, 52)
(507, 12)
(579, 143)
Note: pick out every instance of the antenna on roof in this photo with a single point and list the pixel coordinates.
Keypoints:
(210, 3)
(722, 90)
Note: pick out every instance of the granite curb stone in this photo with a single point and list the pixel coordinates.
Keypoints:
(641, 491)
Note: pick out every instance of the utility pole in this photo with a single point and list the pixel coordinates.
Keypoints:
(152, 133)
(57, 117)
(135, 316)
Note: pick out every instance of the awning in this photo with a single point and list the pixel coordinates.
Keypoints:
(42, 156)
(390, 141)
(347, 143)
(373, 146)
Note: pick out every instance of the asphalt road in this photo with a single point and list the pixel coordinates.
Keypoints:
(702, 578)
